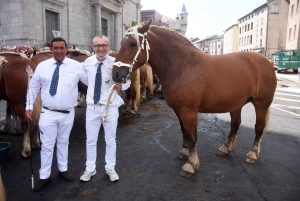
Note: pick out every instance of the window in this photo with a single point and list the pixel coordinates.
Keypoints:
(261, 31)
(292, 10)
(260, 43)
(275, 8)
(262, 21)
(250, 38)
(251, 25)
(51, 24)
(104, 27)
(290, 33)
(295, 27)
(146, 18)
(298, 5)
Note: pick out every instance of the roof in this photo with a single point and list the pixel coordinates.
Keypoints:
(183, 9)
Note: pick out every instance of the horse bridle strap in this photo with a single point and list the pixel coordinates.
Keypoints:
(143, 45)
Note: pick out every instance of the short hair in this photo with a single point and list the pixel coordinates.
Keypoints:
(58, 39)
(101, 36)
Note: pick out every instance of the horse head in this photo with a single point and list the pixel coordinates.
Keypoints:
(134, 52)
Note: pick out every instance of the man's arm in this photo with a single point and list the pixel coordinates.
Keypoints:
(32, 91)
(83, 75)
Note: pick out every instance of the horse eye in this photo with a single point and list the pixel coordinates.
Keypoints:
(133, 44)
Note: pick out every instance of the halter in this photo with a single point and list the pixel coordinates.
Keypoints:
(144, 45)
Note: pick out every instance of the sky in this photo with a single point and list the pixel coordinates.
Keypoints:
(205, 17)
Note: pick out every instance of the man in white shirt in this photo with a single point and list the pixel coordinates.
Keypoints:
(99, 72)
(57, 79)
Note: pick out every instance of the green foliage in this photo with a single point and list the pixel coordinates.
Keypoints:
(133, 23)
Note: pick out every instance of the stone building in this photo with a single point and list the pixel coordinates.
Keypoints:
(179, 23)
(293, 31)
(77, 21)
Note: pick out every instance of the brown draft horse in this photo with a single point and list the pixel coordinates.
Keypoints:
(194, 81)
(10, 56)
(13, 88)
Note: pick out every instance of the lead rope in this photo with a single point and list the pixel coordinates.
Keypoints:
(30, 74)
(111, 97)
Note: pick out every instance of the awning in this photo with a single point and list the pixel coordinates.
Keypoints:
(258, 50)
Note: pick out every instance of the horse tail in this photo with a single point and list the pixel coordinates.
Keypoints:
(137, 88)
(2, 190)
(150, 79)
(267, 120)
(37, 108)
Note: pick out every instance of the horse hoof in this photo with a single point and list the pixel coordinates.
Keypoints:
(26, 154)
(250, 160)
(182, 157)
(132, 112)
(185, 174)
(221, 154)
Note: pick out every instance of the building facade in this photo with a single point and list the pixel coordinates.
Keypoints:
(231, 37)
(179, 23)
(293, 32)
(77, 21)
(216, 45)
(264, 29)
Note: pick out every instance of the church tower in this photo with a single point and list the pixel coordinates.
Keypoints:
(183, 20)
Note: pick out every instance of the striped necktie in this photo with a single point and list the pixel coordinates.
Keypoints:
(98, 80)
(54, 80)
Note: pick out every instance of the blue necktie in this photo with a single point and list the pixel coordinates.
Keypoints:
(54, 80)
(97, 89)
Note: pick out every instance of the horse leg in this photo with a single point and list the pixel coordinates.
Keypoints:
(262, 120)
(188, 121)
(143, 93)
(6, 126)
(231, 139)
(184, 151)
(20, 111)
(15, 118)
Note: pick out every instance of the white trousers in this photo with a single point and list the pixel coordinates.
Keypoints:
(94, 116)
(55, 127)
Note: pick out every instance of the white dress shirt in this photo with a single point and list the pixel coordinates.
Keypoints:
(90, 65)
(70, 72)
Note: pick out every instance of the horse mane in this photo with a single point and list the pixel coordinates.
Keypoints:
(173, 34)
(85, 52)
(45, 52)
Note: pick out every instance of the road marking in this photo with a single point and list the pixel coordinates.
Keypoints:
(296, 90)
(286, 94)
(285, 111)
(287, 99)
(278, 105)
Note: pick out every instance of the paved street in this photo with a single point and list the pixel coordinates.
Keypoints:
(146, 158)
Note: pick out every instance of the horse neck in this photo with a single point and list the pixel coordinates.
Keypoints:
(163, 54)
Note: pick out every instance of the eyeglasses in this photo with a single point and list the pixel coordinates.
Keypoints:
(103, 46)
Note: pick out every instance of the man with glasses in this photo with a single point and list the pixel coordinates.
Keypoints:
(99, 72)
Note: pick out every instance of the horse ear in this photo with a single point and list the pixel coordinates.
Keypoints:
(126, 27)
(145, 27)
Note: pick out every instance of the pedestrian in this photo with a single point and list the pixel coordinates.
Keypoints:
(99, 72)
(57, 79)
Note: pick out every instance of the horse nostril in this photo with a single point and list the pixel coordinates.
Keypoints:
(116, 76)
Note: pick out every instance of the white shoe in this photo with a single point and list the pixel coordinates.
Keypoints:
(87, 175)
(113, 176)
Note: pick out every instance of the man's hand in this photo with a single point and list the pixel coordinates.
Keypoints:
(28, 114)
(118, 86)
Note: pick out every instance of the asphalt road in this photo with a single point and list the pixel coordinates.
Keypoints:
(147, 146)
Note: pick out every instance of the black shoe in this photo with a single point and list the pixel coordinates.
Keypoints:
(41, 184)
(66, 175)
